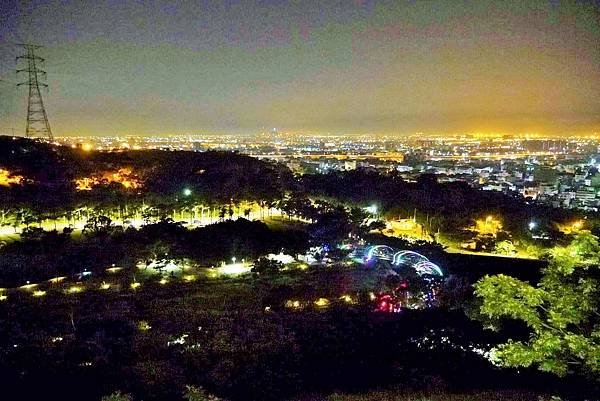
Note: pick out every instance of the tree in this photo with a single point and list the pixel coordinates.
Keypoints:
(157, 252)
(561, 311)
(265, 266)
(331, 227)
(117, 396)
(98, 225)
(33, 234)
(149, 214)
(193, 393)
(377, 225)
(358, 218)
(505, 248)
(26, 217)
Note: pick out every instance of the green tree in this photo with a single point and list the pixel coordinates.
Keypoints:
(505, 248)
(193, 393)
(266, 266)
(561, 311)
(358, 218)
(33, 234)
(97, 225)
(117, 396)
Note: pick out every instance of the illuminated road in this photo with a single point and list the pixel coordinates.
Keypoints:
(452, 249)
(9, 233)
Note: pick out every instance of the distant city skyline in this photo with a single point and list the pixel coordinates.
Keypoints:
(342, 67)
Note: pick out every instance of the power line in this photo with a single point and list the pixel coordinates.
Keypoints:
(37, 119)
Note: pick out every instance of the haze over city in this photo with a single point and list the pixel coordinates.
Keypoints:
(303, 200)
(389, 67)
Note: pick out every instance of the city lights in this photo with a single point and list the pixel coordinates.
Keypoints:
(329, 200)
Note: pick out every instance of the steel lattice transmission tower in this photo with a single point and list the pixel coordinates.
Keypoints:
(37, 119)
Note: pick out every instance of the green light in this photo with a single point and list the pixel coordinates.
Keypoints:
(187, 191)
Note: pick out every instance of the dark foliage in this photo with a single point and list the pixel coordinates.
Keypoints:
(42, 255)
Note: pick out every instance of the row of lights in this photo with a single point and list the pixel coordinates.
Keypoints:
(74, 289)
(104, 286)
(320, 302)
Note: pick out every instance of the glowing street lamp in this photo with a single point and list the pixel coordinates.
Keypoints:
(187, 192)
(532, 225)
(233, 259)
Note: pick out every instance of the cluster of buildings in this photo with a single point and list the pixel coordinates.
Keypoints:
(562, 172)
(569, 182)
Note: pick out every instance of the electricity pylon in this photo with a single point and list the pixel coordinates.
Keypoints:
(37, 119)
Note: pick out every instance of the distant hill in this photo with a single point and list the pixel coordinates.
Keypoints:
(218, 176)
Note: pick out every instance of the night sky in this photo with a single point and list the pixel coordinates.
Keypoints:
(152, 67)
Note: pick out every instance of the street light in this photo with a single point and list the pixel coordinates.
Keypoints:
(532, 225)
(187, 192)
(233, 260)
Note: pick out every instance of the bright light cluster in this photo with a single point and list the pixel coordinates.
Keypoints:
(123, 176)
(488, 226)
(7, 178)
(74, 289)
